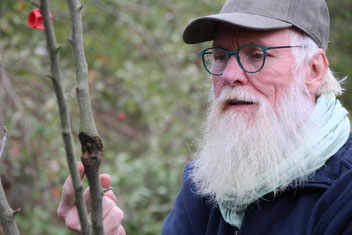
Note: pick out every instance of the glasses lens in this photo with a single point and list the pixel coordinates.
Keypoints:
(251, 58)
(215, 60)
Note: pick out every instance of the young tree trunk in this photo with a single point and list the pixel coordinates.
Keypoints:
(92, 147)
(55, 76)
(7, 215)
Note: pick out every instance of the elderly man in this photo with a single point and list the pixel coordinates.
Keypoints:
(276, 154)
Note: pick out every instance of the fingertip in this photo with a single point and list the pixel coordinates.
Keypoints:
(121, 230)
(80, 169)
(105, 180)
(67, 189)
(72, 221)
(61, 212)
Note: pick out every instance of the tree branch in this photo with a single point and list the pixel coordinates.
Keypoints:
(55, 76)
(34, 3)
(3, 142)
(92, 147)
(7, 215)
(7, 84)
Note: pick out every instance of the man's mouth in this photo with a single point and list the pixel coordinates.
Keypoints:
(239, 102)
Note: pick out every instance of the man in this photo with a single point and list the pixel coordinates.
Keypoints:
(276, 154)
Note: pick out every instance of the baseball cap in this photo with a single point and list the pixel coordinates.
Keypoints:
(310, 16)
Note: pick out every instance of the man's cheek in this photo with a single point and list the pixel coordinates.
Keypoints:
(217, 87)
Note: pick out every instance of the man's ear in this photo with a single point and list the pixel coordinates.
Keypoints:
(316, 72)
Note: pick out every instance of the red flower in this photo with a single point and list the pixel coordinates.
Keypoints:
(35, 19)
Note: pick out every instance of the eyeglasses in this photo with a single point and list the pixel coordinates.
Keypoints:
(250, 58)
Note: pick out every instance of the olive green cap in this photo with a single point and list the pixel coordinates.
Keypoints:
(310, 16)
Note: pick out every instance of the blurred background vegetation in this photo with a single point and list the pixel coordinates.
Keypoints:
(148, 93)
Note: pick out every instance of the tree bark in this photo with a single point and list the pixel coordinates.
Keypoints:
(7, 215)
(92, 147)
(53, 50)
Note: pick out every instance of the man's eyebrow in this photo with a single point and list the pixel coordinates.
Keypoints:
(259, 42)
(216, 45)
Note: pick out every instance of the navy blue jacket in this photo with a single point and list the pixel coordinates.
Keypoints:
(322, 205)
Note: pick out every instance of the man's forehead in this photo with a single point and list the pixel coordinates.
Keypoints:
(226, 33)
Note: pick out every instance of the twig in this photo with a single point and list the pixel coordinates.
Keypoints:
(34, 3)
(3, 142)
(7, 85)
(124, 128)
(92, 147)
(55, 76)
(7, 215)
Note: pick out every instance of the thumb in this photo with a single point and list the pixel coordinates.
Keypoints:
(67, 198)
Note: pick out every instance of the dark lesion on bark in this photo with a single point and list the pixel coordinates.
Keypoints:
(92, 154)
(92, 149)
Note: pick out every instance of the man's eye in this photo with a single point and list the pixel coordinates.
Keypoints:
(256, 56)
(219, 57)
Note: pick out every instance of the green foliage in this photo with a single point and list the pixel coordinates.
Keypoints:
(139, 66)
(340, 47)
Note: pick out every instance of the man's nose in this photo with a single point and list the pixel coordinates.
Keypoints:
(233, 74)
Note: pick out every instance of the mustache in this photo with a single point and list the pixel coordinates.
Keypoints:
(237, 95)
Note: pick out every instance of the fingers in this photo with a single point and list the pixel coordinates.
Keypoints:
(121, 231)
(105, 180)
(67, 198)
(118, 231)
(72, 220)
(112, 214)
(108, 205)
(110, 194)
(113, 217)
(67, 189)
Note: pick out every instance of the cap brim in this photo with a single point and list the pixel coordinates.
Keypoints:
(203, 29)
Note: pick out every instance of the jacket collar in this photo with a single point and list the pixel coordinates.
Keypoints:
(332, 169)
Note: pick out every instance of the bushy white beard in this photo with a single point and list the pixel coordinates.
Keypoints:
(241, 153)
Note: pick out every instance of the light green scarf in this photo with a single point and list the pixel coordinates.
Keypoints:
(333, 135)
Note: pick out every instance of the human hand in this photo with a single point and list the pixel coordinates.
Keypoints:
(112, 215)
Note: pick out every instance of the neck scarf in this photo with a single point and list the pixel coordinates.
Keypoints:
(334, 132)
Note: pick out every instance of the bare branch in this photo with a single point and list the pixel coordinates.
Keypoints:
(7, 215)
(15, 212)
(8, 86)
(87, 124)
(79, 8)
(92, 147)
(51, 77)
(58, 48)
(34, 3)
(3, 142)
(124, 128)
(55, 76)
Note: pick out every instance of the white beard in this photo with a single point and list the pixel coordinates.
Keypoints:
(241, 153)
